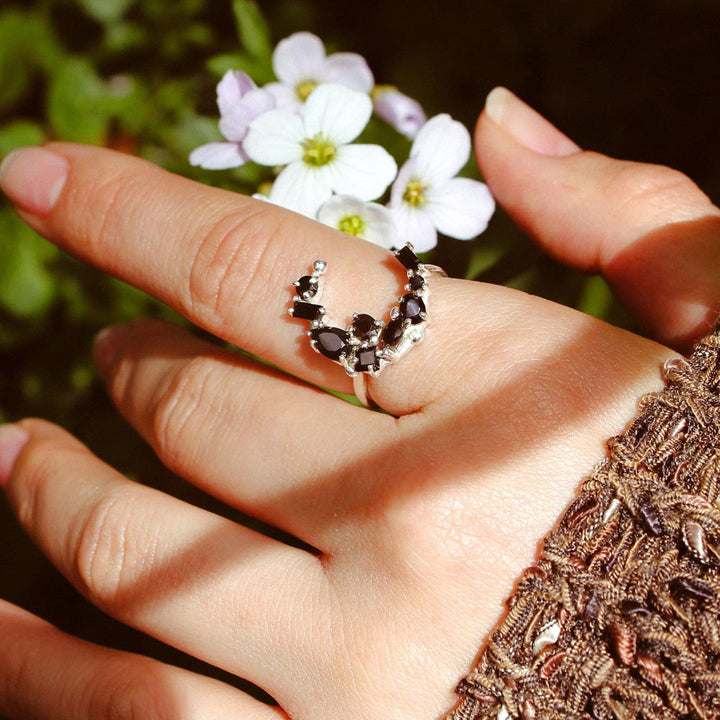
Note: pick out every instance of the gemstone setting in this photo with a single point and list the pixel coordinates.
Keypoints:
(331, 342)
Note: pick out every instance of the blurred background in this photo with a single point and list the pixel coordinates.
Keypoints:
(637, 80)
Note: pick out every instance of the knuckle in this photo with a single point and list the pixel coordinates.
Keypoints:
(102, 551)
(233, 261)
(192, 397)
(650, 189)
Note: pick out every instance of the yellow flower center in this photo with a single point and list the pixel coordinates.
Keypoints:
(318, 151)
(352, 224)
(414, 193)
(304, 89)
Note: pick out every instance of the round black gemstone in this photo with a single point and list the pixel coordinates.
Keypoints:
(363, 326)
(307, 287)
(393, 332)
(331, 342)
(417, 283)
(413, 308)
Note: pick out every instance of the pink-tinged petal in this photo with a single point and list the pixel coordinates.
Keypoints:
(298, 58)
(234, 124)
(398, 110)
(364, 171)
(348, 69)
(441, 148)
(461, 208)
(301, 188)
(414, 225)
(218, 156)
(275, 138)
(337, 113)
(285, 97)
(231, 89)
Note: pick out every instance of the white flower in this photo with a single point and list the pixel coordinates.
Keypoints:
(300, 64)
(427, 197)
(397, 109)
(240, 101)
(317, 151)
(366, 220)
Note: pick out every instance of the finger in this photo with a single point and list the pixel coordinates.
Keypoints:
(199, 582)
(649, 229)
(46, 674)
(258, 440)
(224, 260)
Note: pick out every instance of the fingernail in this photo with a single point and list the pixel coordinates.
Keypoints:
(106, 346)
(33, 179)
(13, 439)
(526, 125)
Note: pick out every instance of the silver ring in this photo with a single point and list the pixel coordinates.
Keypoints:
(368, 345)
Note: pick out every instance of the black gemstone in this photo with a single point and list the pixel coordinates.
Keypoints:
(331, 342)
(307, 287)
(367, 359)
(417, 283)
(393, 332)
(413, 308)
(307, 311)
(408, 258)
(363, 326)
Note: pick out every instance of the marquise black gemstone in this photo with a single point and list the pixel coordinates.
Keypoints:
(363, 326)
(408, 258)
(307, 311)
(367, 360)
(307, 287)
(413, 308)
(416, 283)
(331, 342)
(393, 332)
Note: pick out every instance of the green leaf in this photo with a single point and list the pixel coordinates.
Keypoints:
(77, 103)
(14, 68)
(596, 298)
(105, 11)
(27, 286)
(20, 134)
(252, 29)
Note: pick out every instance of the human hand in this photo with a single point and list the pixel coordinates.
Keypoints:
(421, 519)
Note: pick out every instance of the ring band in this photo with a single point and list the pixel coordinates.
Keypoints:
(368, 345)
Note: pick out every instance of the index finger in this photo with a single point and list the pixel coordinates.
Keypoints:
(225, 261)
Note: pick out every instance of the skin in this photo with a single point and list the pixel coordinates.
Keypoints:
(421, 518)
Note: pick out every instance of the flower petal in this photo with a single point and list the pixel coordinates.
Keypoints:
(461, 208)
(337, 113)
(299, 57)
(301, 188)
(407, 173)
(348, 69)
(398, 110)
(275, 138)
(441, 148)
(364, 171)
(237, 118)
(285, 97)
(380, 226)
(414, 225)
(218, 156)
(338, 207)
(233, 86)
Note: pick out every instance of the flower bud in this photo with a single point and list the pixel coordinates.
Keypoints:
(397, 109)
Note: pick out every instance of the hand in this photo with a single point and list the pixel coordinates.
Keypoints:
(421, 518)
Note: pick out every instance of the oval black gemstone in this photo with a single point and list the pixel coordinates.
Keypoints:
(393, 332)
(412, 307)
(363, 326)
(307, 287)
(331, 342)
(417, 283)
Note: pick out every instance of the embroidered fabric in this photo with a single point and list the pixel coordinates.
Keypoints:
(619, 619)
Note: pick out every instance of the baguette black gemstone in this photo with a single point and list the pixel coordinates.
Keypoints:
(331, 342)
(413, 308)
(393, 332)
(367, 360)
(408, 258)
(307, 311)
(307, 287)
(363, 326)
